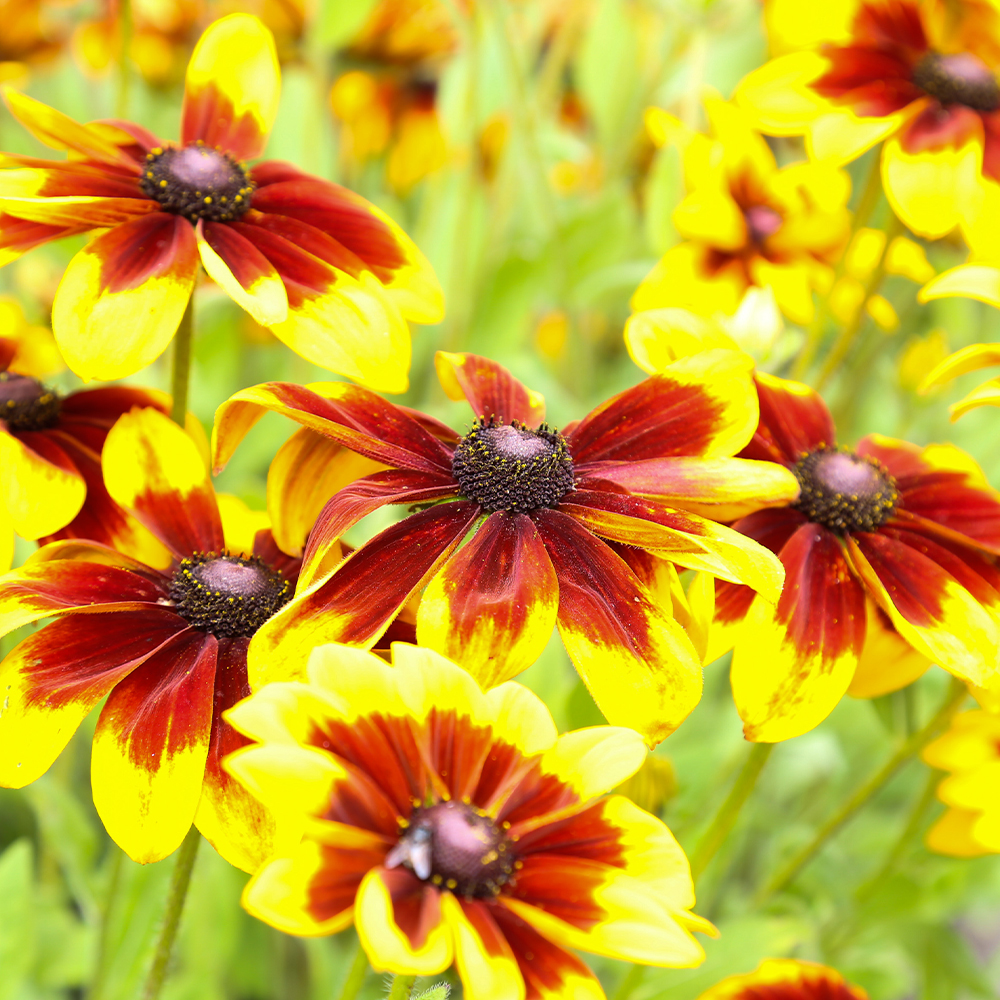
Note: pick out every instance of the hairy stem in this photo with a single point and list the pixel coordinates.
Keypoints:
(402, 987)
(181, 376)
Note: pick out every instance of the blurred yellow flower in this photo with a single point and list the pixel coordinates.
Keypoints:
(786, 979)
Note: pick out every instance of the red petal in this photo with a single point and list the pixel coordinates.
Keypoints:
(150, 247)
(301, 236)
(489, 388)
(793, 420)
(102, 407)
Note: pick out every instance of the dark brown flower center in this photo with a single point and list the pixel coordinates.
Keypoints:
(227, 595)
(197, 182)
(961, 78)
(509, 467)
(26, 405)
(456, 846)
(845, 491)
(762, 222)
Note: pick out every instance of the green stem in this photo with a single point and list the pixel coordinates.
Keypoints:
(124, 57)
(630, 982)
(957, 693)
(181, 376)
(177, 894)
(720, 827)
(356, 975)
(402, 987)
(101, 963)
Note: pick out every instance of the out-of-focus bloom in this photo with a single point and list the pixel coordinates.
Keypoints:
(889, 555)
(453, 826)
(167, 648)
(27, 38)
(968, 359)
(918, 74)
(786, 979)
(745, 222)
(970, 752)
(920, 356)
(50, 450)
(332, 276)
(581, 528)
(652, 786)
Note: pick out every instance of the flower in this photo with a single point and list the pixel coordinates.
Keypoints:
(330, 274)
(50, 454)
(889, 555)
(451, 825)
(745, 222)
(167, 648)
(970, 751)
(564, 530)
(918, 74)
(29, 37)
(786, 979)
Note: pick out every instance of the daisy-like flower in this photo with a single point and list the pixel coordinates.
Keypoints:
(563, 528)
(50, 456)
(889, 556)
(167, 648)
(328, 273)
(453, 826)
(786, 979)
(745, 223)
(919, 74)
(970, 752)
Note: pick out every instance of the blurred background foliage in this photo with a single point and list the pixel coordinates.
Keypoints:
(507, 137)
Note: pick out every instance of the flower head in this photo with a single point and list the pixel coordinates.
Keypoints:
(577, 528)
(453, 826)
(786, 979)
(746, 224)
(166, 647)
(331, 275)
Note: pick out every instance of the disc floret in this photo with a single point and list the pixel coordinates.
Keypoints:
(958, 78)
(845, 491)
(26, 404)
(507, 466)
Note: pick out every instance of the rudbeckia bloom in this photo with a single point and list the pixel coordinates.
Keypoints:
(786, 979)
(453, 826)
(331, 275)
(970, 752)
(560, 533)
(167, 648)
(919, 74)
(745, 223)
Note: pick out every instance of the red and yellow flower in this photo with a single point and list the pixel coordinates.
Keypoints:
(786, 979)
(970, 752)
(919, 75)
(165, 647)
(577, 529)
(330, 274)
(745, 223)
(453, 826)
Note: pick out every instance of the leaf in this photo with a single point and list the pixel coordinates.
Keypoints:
(18, 938)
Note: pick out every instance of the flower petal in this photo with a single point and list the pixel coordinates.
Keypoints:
(793, 420)
(153, 469)
(53, 679)
(488, 388)
(975, 356)
(888, 662)
(122, 296)
(232, 87)
(492, 606)
(79, 211)
(974, 281)
(793, 661)
(637, 663)
(18, 236)
(150, 747)
(483, 956)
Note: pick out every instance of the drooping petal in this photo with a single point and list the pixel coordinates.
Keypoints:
(793, 420)
(483, 956)
(488, 388)
(18, 236)
(82, 211)
(150, 747)
(122, 296)
(794, 661)
(974, 281)
(153, 469)
(54, 678)
(971, 358)
(492, 607)
(232, 87)
(637, 663)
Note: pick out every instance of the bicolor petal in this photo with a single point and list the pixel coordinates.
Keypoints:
(488, 388)
(483, 956)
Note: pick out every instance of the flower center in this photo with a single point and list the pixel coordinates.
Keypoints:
(197, 182)
(457, 846)
(762, 222)
(845, 491)
(961, 78)
(227, 595)
(26, 405)
(508, 467)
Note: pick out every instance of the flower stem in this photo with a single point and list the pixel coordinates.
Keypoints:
(957, 693)
(729, 811)
(101, 962)
(402, 987)
(631, 981)
(179, 882)
(355, 975)
(181, 377)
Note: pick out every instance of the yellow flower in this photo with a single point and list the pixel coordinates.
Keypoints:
(969, 359)
(786, 979)
(745, 223)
